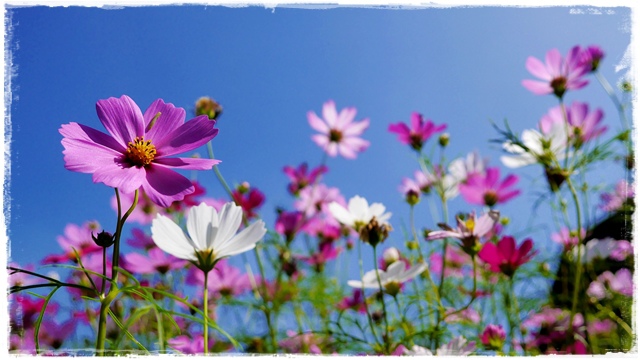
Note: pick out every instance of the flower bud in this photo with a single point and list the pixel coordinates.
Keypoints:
(412, 245)
(207, 106)
(244, 187)
(493, 337)
(505, 220)
(412, 197)
(374, 233)
(443, 139)
(104, 239)
(390, 255)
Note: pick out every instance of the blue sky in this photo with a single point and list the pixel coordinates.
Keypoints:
(459, 66)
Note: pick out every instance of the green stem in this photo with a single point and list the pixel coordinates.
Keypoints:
(576, 283)
(102, 322)
(516, 310)
(445, 243)
(386, 339)
(366, 306)
(160, 330)
(206, 312)
(217, 172)
(116, 244)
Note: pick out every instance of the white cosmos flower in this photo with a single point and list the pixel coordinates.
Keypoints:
(461, 168)
(554, 142)
(391, 279)
(359, 213)
(211, 235)
(458, 346)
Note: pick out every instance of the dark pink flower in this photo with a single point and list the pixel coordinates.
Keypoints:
(157, 261)
(488, 189)
(249, 199)
(355, 302)
(583, 126)
(187, 345)
(505, 257)
(493, 337)
(338, 132)
(326, 228)
(591, 56)
(557, 74)
(299, 177)
(419, 132)
(136, 153)
(76, 238)
(325, 253)
(289, 223)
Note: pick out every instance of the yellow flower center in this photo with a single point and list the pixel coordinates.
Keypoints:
(140, 152)
(470, 224)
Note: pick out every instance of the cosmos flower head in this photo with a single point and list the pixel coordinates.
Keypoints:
(211, 235)
(469, 230)
(583, 125)
(339, 133)
(391, 279)
(300, 178)
(137, 151)
(488, 189)
(359, 213)
(506, 257)
(557, 74)
(418, 132)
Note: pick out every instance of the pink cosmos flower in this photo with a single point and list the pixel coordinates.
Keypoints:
(411, 191)
(355, 302)
(136, 153)
(249, 200)
(461, 168)
(300, 343)
(468, 315)
(187, 345)
(615, 200)
(600, 326)
(457, 263)
(488, 189)
(325, 253)
(78, 238)
(558, 75)
(223, 280)
(419, 132)
(338, 132)
(505, 257)
(583, 126)
(157, 261)
(591, 56)
(568, 239)
(622, 250)
(54, 334)
(326, 228)
(493, 337)
(316, 199)
(289, 223)
(299, 177)
(141, 240)
(621, 283)
(24, 310)
(550, 331)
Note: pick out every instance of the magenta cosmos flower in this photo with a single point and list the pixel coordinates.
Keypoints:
(505, 257)
(338, 132)
(136, 153)
(487, 189)
(419, 132)
(557, 74)
(300, 178)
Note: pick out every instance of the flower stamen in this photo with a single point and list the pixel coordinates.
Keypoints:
(140, 152)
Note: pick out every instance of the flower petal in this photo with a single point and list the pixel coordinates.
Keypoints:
(537, 87)
(190, 135)
(169, 120)
(164, 186)
(87, 150)
(230, 219)
(329, 113)
(199, 225)
(121, 117)
(537, 68)
(121, 176)
(188, 163)
(317, 123)
(244, 241)
(356, 128)
(170, 238)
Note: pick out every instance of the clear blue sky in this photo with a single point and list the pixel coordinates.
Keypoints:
(460, 66)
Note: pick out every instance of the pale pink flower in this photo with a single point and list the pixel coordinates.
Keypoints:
(325, 253)
(461, 168)
(300, 343)
(339, 134)
(469, 231)
(568, 239)
(189, 345)
(419, 132)
(468, 315)
(457, 262)
(76, 238)
(583, 125)
(558, 74)
(615, 200)
(316, 199)
(621, 283)
(223, 280)
(157, 261)
(141, 240)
